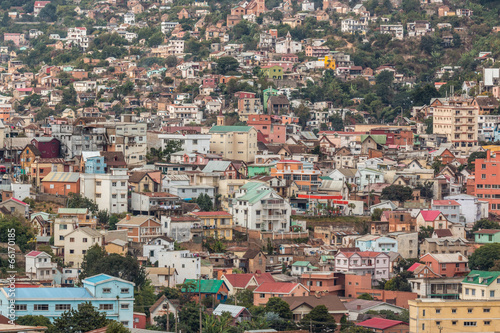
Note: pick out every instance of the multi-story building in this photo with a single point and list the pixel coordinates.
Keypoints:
(128, 137)
(141, 228)
(108, 190)
(257, 206)
(377, 243)
(78, 36)
(298, 172)
(451, 316)
(396, 30)
(218, 224)
(375, 263)
(272, 131)
(234, 142)
(188, 265)
(457, 119)
(110, 295)
(487, 180)
(248, 106)
(449, 265)
(188, 113)
(487, 125)
(77, 242)
(419, 28)
(189, 142)
(354, 26)
(39, 266)
(450, 209)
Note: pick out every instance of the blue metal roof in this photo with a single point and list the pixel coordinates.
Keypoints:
(51, 293)
(98, 278)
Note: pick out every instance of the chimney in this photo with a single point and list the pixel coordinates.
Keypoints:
(358, 307)
(127, 217)
(459, 258)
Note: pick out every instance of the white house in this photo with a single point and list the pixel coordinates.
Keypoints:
(129, 18)
(375, 263)
(77, 242)
(187, 265)
(39, 266)
(108, 190)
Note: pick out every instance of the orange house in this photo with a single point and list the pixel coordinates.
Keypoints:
(448, 265)
(141, 228)
(267, 290)
(273, 132)
(321, 282)
(307, 179)
(61, 183)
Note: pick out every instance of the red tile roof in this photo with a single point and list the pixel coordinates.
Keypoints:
(33, 253)
(370, 254)
(414, 267)
(380, 323)
(487, 231)
(238, 280)
(276, 287)
(430, 215)
(19, 201)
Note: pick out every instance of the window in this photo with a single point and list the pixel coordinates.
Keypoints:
(105, 306)
(41, 307)
(106, 290)
(113, 184)
(438, 323)
(469, 310)
(124, 306)
(438, 311)
(262, 295)
(470, 323)
(21, 307)
(486, 310)
(492, 293)
(84, 240)
(487, 322)
(423, 313)
(473, 292)
(453, 310)
(63, 307)
(454, 322)
(124, 290)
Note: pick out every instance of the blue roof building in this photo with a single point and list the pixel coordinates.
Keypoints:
(108, 294)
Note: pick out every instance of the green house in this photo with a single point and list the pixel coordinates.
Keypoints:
(487, 236)
(273, 72)
(259, 169)
(205, 288)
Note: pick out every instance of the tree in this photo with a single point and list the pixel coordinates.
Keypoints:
(243, 297)
(116, 327)
(377, 214)
(318, 320)
(171, 61)
(172, 146)
(399, 282)
(485, 224)
(337, 122)
(280, 307)
(205, 202)
(103, 216)
(351, 206)
(31, 320)
(23, 231)
(366, 296)
(170, 293)
(76, 200)
(97, 261)
(226, 65)
(425, 232)
(48, 13)
(398, 193)
(69, 94)
(189, 318)
(426, 190)
(85, 319)
(155, 39)
(484, 257)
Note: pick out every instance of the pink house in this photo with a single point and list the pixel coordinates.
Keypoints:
(16, 38)
(273, 132)
(267, 290)
(286, 65)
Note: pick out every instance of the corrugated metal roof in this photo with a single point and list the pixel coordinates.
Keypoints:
(74, 211)
(234, 310)
(216, 166)
(63, 177)
(225, 129)
(51, 293)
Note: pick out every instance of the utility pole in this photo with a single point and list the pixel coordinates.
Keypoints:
(199, 303)
(168, 316)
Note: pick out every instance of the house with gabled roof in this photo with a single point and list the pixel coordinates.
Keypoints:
(362, 262)
(163, 306)
(205, 288)
(483, 285)
(15, 206)
(302, 305)
(383, 325)
(238, 313)
(449, 264)
(267, 290)
(431, 218)
(237, 282)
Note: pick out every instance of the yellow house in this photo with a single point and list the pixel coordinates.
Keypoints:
(430, 315)
(117, 246)
(234, 142)
(216, 224)
(484, 285)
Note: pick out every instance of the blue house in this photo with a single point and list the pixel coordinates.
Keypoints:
(377, 243)
(95, 164)
(108, 294)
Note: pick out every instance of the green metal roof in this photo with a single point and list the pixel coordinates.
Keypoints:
(226, 129)
(251, 185)
(301, 263)
(206, 286)
(378, 138)
(254, 196)
(483, 278)
(325, 178)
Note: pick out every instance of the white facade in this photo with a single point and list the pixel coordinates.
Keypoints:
(131, 139)
(190, 142)
(187, 265)
(78, 36)
(352, 26)
(108, 190)
(77, 243)
(361, 263)
(396, 30)
(39, 266)
(129, 18)
(288, 46)
(189, 113)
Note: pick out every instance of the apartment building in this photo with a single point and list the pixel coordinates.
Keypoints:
(248, 106)
(481, 285)
(39, 266)
(395, 30)
(298, 172)
(187, 265)
(487, 180)
(78, 36)
(377, 264)
(449, 265)
(354, 26)
(273, 132)
(110, 295)
(189, 142)
(457, 119)
(188, 113)
(429, 315)
(141, 228)
(108, 190)
(234, 142)
(76, 244)
(128, 137)
(218, 224)
(257, 206)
